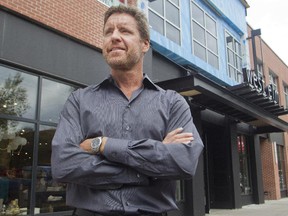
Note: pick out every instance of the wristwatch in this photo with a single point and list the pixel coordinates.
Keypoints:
(95, 145)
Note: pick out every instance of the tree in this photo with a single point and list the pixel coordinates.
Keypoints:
(13, 97)
(13, 101)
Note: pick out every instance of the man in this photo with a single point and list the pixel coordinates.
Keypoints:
(121, 145)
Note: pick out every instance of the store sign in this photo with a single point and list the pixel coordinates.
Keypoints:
(257, 83)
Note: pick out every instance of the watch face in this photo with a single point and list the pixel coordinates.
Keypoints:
(95, 144)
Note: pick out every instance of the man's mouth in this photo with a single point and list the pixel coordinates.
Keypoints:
(116, 49)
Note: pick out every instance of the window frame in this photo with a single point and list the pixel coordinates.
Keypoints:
(166, 20)
(37, 124)
(207, 33)
(285, 91)
(281, 166)
(238, 74)
(273, 80)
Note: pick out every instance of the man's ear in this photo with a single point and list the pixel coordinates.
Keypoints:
(146, 46)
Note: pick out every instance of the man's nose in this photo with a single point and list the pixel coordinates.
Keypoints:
(116, 35)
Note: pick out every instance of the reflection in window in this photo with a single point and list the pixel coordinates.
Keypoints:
(16, 156)
(245, 176)
(234, 59)
(164, 17)
(204, 36)
(18, 92)
(50, 196)
(53, 98)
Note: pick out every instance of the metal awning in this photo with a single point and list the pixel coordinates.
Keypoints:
(239, 102)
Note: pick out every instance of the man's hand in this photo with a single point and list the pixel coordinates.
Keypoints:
(86, 145)
(176, 136)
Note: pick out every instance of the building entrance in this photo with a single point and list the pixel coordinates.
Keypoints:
(218, 186)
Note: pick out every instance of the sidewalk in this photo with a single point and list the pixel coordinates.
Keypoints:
(269, 208)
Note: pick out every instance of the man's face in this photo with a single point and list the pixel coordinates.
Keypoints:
(122, 45)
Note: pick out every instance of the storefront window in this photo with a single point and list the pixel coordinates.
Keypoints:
(245, 176)
(281, 167)
(18, 93)
(26, 184)
(16, 157)
(53, 97)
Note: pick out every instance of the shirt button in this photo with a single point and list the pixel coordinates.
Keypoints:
(128, 106)
(138, 175)
(127, 128)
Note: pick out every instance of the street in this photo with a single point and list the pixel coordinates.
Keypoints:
(270, 208)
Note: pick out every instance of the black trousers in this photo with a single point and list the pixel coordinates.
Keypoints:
(84, 212)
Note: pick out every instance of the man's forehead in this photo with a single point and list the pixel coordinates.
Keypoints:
(120, 18)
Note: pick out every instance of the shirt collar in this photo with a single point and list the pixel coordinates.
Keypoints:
(109, 80)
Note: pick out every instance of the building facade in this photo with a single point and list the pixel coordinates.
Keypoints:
(198, 48)
(273, 71)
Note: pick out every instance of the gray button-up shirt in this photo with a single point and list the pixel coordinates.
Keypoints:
(136, 172)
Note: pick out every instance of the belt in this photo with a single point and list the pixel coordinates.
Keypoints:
(84, 212)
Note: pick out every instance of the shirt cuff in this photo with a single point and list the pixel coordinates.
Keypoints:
(116, 149)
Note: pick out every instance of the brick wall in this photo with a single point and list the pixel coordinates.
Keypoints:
(81, 19)
(270, 170)
(271, 62)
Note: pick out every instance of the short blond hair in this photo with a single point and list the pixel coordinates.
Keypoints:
(139, 16)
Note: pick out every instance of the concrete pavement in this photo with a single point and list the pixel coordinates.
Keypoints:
(269, 208)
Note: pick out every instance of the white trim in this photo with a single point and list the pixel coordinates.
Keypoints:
(235, 54)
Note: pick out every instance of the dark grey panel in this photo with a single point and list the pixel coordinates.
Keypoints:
(256, 170)
(163, 69)
(33, 46)
(28, 44)
(2, 18)
(147, 67)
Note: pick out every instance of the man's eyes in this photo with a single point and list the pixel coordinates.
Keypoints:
(107, 32)
(124, 31)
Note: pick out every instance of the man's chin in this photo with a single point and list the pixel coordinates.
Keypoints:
(121, 68)
(118, 66)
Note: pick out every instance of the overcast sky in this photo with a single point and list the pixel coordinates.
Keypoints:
(271, 16)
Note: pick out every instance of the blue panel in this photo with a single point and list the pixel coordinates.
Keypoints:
(233, 12)
(229, 15)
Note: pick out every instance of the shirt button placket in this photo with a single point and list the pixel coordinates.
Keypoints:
(126, 125)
